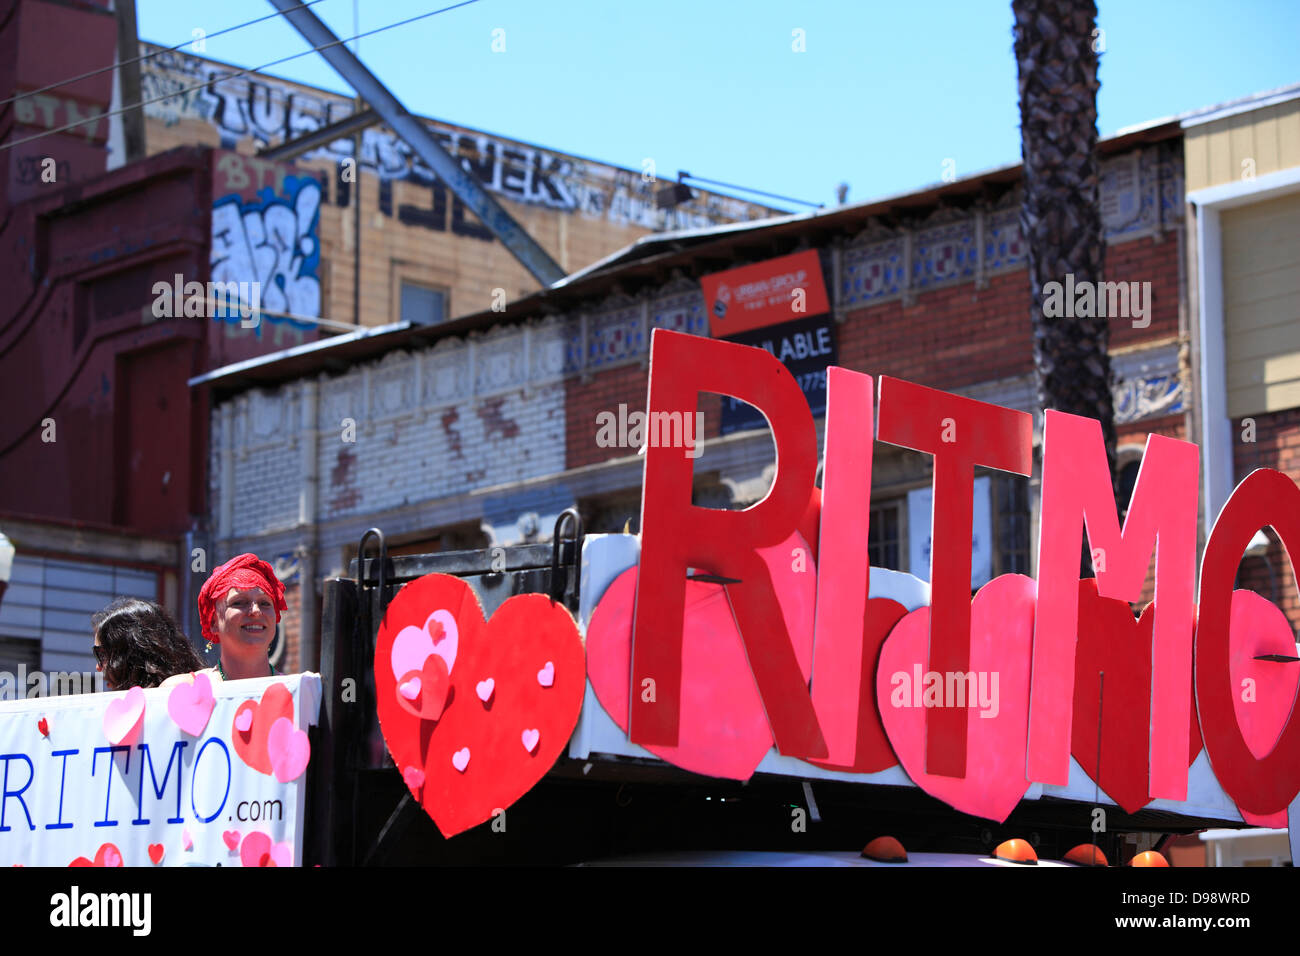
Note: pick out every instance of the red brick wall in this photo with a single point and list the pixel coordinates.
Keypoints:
(1171, 426)
(1276, 445)
(583, 401)
(1146, 260)
(950, 337)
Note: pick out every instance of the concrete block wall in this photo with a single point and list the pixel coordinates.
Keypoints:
(412, 427)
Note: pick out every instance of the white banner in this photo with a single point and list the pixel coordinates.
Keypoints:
(83, 780)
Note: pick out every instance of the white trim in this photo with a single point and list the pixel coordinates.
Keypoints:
(1257, 102)
(1208, 835)
(1242, 192)
(1216, 428)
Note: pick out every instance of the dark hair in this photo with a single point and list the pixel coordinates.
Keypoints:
(143, 646)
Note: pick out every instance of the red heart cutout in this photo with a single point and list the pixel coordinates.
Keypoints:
(1002, 631)
(1112, 641)
(106, 855)
(156, 852)
(43, 726)
(250, 744)
(724, 731)
(525, 632)
(435, 687)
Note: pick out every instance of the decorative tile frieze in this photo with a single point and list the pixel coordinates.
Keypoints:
(873, 272)
(944, 253)
(1004, 247)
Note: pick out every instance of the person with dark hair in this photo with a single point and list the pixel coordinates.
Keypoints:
(137, 644)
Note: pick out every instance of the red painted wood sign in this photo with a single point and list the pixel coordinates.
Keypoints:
(1040, 641)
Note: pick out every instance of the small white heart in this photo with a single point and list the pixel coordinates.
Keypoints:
(410, 689)
(460, 759)
(484, 688)
(530, 738)
(546, 676)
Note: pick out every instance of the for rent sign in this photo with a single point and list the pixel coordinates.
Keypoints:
(189, 776)
(779, 305)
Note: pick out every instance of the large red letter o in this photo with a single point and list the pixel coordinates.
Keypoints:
(1264, 498)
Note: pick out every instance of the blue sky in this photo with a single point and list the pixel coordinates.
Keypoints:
(882, 95)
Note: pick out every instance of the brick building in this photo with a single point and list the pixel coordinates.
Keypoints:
(424, 257)
(478, 433)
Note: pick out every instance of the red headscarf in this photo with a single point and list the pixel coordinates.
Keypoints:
(244, 571)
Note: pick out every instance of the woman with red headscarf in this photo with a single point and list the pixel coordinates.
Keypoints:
(239, 608)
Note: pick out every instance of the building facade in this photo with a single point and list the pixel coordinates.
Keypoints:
(423, 255)
(480, 439)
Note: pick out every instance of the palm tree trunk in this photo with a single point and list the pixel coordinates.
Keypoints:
(1060, 216)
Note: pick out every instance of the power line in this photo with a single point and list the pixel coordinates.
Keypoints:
(147, 56)
(758, 192)
(257, 69)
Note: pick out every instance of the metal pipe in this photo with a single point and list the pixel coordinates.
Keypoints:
(463, 184)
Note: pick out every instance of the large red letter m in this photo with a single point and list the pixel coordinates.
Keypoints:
(1161, 517)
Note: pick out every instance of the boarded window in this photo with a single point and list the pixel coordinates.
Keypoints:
(422, 305)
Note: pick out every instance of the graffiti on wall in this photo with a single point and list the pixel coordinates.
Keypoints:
(265, 229)
(270, 111)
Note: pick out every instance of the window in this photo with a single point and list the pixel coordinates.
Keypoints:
(1011, 510)
(422, 305)
(884, 538)
(1128, 475)
(19, 651)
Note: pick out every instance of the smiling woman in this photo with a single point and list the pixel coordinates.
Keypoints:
(239, 607)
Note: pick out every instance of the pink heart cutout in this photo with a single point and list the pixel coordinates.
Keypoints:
(440, 635)
(724, 728)
(410, 689)
(281, 855)
(484, 689)
(110, 855)
(460, 759)
(546, 676)
(289, 750)
(414, 777)
(530, 738)
(231, 837)
(255, 850)
(187, 841)
(123, 717)
(244, 721)
(1002, 629)
(190, 704)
